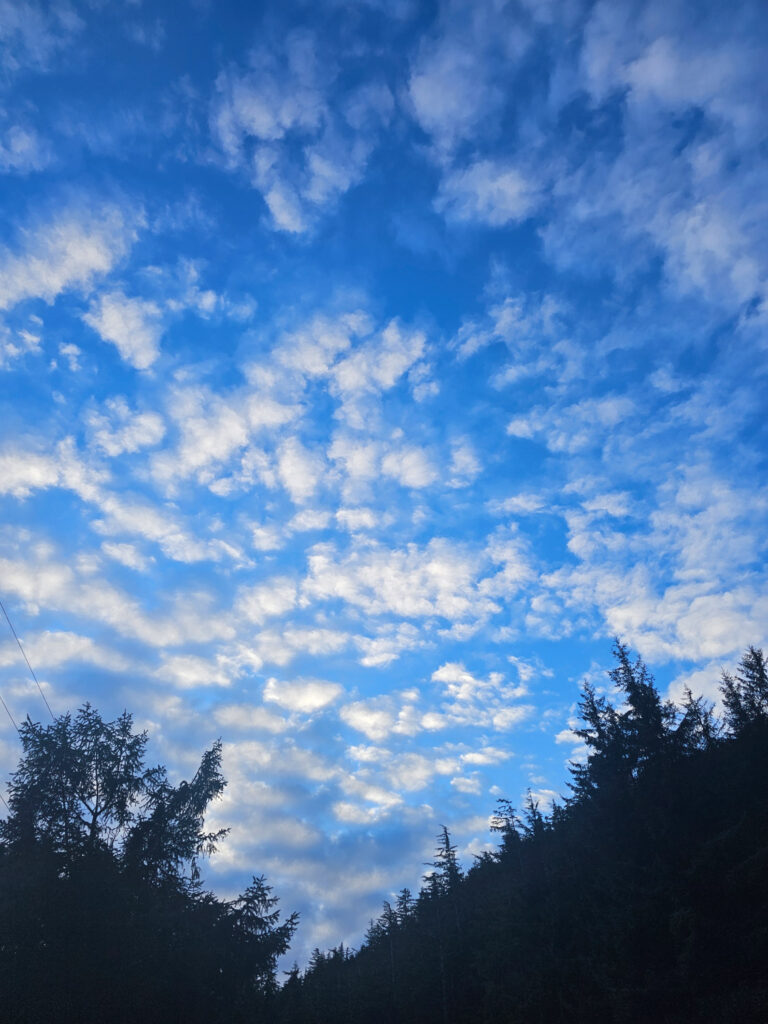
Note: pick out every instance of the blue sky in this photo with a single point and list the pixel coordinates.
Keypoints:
(365, 368)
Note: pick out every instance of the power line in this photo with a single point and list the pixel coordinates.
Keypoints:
(13, 723)
(13, 720)
(24, 655)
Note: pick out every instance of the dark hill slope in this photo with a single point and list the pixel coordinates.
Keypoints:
(643, 898)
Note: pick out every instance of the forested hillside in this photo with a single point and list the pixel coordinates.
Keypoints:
(643, 897)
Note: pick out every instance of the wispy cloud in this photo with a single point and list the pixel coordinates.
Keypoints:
(275, 123)
(68, 250)
(362, 376)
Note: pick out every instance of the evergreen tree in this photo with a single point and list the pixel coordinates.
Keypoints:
(405, 906)
(504, 821)
(697, 729)
(745, 694)
(102, 914)
(446, 866)
(646, 722)
(78, 785)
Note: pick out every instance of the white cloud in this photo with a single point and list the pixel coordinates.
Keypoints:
(22, 150)
(486, 756)
(299, 470)
(118, 429)
(375, 366)
(411, 771)
(364, 716)
(260, 105)
(248, 716)
(456, 85)
(279, 647)
(353, 814)
(267, 538)
(471, 785)
(706, 604)
(460, 684)
(309, 519)
(480, 703)
(356, 519)
(266, 600)
(487, 192)
(54, 648)
(15, 344)
(133, 325)
(388, 644)
(22, 472)
(31, 34)
(519, 504)
(313, 348)
(666, 193)
(577, 427)
(72, 354)
(448, 99)
(465, 465)
(359, 459)
(667, 64)
(305, 696)
(25, 472)
(275, 123)
(285, 207)
(159, 523)
(42, 583)
(215, 427)
(68, 252)
(189, 671)
(439, 579)
(568, 736)
(410, 466)
(530, 326)
(507, 718)
(128, 555)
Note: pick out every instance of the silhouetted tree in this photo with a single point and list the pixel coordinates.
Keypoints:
(697, 729)
(102, 914)
(745, 694)
(78, 785)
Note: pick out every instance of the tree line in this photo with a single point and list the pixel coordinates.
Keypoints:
(642, 896)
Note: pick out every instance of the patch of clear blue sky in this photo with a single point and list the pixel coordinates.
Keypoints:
(364, 369)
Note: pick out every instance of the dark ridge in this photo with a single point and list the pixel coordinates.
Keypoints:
(642, 898)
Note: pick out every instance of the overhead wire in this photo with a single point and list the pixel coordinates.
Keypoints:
(13, 723)
(37, 683)
(7, 711)
(32, 671)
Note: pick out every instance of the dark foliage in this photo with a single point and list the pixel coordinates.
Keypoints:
(102, 913)
(644, 897)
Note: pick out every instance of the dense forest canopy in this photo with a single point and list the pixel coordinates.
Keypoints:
(642, 895)
(103, 916)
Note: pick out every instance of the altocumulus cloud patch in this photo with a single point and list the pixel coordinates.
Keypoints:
(361, 378)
